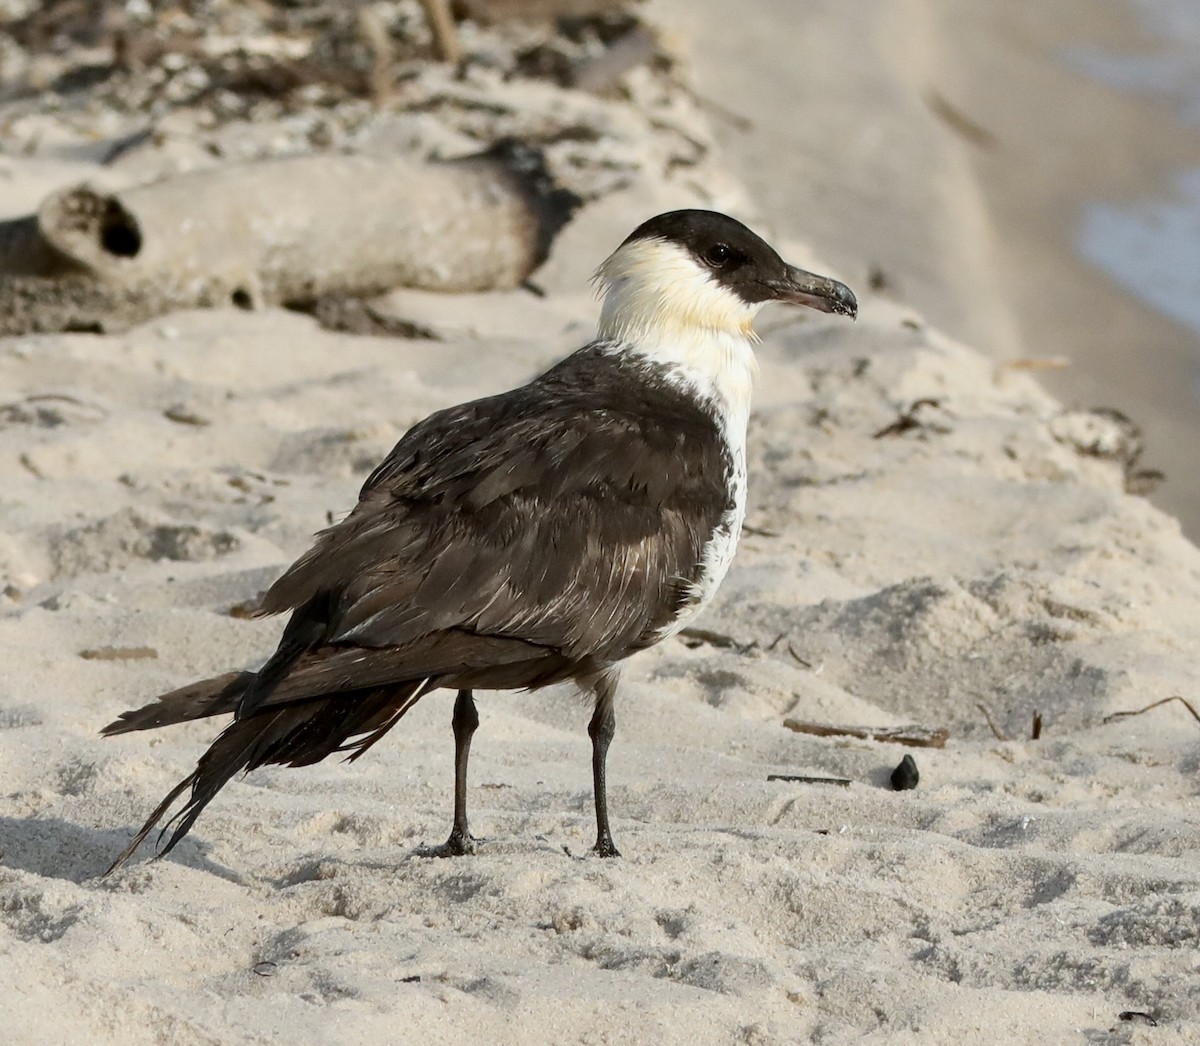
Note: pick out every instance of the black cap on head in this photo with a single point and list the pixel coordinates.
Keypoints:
(743, 262)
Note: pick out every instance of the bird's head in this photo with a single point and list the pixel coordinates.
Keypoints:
(688, 274)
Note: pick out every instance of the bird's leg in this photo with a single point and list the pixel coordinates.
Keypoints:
(601, 730)
(465, 722)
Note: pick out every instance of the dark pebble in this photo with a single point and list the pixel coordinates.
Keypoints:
(906, 775)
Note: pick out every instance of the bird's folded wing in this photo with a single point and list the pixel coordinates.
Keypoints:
(564, 524)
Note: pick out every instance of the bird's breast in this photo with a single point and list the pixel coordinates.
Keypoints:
(717, 552)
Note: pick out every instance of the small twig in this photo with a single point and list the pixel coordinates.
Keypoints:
(908, 420)
(182, 415)
(841, 782)
(700, 636)
(1000, 734)
(914, 736)
(799, 659)
(760, 532)
(1165, 700)
(28, 464)
(1033, 363)
(1036, 732)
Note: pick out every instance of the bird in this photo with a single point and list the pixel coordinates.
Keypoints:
(538, 536)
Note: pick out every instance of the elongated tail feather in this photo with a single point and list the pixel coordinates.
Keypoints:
(195, 701)
(154, 818)
(296, 734)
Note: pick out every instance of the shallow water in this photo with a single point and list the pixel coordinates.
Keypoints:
(1151, 246)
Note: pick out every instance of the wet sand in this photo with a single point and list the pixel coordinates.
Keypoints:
(1087, 143)
(972, 220)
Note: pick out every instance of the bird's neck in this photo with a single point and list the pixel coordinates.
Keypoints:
(659, 305)
(714, 366)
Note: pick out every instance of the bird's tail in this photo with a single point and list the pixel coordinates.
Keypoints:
(294, 734)
(194, 701)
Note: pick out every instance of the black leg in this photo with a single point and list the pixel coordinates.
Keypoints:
(601, 730)
(465, 722)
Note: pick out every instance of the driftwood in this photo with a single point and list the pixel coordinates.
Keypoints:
(286, 231)
(913, 736)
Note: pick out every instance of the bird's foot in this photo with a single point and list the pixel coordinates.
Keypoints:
(605, 847)
(460, 844)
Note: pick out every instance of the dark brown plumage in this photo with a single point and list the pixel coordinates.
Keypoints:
(516, 541)
(524, 539)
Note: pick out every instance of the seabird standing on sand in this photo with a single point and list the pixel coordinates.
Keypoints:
(541, 535)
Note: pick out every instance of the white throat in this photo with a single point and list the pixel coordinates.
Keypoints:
(660, 304)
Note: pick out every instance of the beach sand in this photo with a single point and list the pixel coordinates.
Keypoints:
(980, 559)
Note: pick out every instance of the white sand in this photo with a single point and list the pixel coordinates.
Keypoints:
(1027, 891)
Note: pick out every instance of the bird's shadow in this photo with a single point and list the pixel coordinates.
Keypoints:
(58, 849)
(310, 867)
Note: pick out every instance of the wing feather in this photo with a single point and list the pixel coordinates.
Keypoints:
(568, 515)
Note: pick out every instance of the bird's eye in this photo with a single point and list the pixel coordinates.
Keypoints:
(718, 255)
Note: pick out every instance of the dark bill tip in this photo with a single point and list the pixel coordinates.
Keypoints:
(816, 292)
